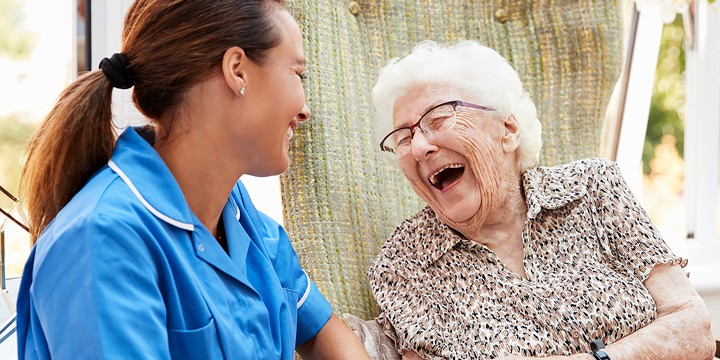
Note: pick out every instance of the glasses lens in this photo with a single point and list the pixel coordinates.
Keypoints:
(398, 142)
(440, 118)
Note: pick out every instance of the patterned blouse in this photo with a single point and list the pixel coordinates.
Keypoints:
(588, 248)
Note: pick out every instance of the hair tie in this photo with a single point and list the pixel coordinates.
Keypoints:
(117, 70)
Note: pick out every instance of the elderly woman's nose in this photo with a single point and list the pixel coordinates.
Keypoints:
(422, 146)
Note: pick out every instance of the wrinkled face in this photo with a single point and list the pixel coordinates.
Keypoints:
(276, 100)
(458, 171)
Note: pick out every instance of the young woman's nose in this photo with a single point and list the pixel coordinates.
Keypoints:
(304, 114)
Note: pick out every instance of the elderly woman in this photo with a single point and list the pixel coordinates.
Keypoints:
(512, 260)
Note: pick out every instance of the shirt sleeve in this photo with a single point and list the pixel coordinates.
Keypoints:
(313, 310)
(93, 293)
(377, 335)
(406, 316)
(626, 233)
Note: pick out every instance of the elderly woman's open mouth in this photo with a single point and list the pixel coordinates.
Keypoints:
(446, 175)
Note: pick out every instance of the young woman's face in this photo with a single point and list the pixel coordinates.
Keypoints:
(276, 101)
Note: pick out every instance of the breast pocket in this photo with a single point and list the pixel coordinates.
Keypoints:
(201, 343)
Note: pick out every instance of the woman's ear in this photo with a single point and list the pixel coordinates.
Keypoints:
(511, 134)
(234, 69)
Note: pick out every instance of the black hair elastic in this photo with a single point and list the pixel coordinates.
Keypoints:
(117, 70)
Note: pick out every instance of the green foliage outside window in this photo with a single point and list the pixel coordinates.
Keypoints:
(14, 137)
(667, 111)
(14, 42)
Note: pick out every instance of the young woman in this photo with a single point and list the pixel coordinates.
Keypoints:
(148, 246)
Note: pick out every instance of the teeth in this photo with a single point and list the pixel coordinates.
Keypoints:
(433, 177)
(290, 133)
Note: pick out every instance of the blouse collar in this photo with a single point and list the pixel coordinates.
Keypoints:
(423, 239)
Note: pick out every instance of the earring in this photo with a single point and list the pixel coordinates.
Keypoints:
(242, 90)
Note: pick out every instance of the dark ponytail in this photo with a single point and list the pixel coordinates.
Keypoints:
(73, 142)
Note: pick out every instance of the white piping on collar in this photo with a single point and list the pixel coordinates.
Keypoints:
(307, 291)
(237, 209)
(163, 217)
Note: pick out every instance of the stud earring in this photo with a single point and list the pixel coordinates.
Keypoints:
(242, 90)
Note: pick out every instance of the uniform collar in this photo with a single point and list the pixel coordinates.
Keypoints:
(142, 169)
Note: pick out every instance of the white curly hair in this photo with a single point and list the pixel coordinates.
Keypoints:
(478, 70)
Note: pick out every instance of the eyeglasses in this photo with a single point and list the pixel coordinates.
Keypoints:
(438, 119)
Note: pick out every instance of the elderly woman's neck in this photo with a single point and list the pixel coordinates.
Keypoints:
(505, 221)
(502, 229)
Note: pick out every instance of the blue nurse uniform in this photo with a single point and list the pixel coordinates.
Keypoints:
(126, 270)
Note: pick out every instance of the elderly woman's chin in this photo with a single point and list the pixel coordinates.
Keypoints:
(455, 200)
(457, 204)
(458, 212)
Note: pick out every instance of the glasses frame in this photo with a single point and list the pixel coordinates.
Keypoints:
(454, 103)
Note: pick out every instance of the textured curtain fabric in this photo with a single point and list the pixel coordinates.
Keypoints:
(342, 199)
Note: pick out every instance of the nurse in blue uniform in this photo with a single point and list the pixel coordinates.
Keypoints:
(148, 246)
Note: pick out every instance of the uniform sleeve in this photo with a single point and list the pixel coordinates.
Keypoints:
(95, 294)
(627, 235)
(313, 310)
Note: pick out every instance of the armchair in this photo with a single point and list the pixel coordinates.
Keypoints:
(342, 199)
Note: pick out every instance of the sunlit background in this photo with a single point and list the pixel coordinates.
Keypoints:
(36, 63)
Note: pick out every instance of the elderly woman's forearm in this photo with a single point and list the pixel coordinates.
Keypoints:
(682, 327)
(681, 335)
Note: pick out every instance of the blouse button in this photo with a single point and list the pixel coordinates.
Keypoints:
(201, 247)
(501, 15)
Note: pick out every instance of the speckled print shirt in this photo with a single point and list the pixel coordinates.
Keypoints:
(588, 247)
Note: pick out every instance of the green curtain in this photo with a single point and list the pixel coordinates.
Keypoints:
(341, 198)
